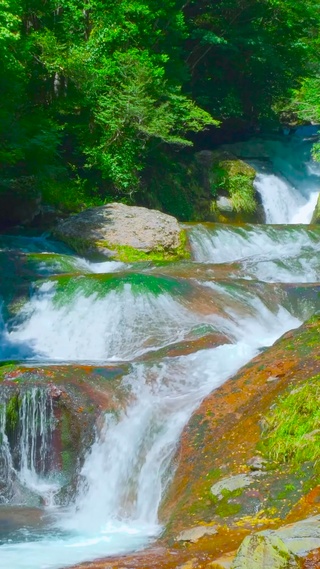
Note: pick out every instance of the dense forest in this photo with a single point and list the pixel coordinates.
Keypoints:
(98, 96)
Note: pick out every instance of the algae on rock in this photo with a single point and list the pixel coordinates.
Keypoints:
(264, 552)
(126, 233)
(232, 179)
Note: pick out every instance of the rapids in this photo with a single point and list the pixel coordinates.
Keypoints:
(246, 285)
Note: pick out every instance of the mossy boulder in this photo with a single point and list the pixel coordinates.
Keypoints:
(125, 233)
(316, 213)
(264, 552)
(234, 195)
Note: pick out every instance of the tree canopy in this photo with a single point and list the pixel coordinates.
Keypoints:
(93, 90)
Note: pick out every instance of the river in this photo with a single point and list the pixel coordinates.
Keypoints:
(245, 286)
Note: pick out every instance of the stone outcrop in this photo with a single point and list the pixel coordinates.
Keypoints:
(223, 448)
(279, 549)
(125, 233)
(316, 213)
(264, 552)
(76, 396)
(194, 534)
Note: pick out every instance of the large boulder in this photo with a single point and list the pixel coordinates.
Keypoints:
(126, 233)
(264, 552)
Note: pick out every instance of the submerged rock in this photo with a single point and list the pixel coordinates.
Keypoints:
(126, 233)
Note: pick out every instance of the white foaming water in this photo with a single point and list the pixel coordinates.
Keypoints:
(305, 213)
(33, 437)
(228, 244)
(120, 326)
(6, 465)
(36, 419)
(102, 267)
(282, 202)
(128, 467)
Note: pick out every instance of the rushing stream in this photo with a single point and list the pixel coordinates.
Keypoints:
(245, 286)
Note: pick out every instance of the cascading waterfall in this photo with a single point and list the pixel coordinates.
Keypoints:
(6, 465)
(281, 201)
(26, 428)
(270, 254)
(289, 183)
(36, 419)
(100, 312)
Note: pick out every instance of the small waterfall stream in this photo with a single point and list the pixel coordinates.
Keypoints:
(26, 428)
(95, 313)
(288, 182)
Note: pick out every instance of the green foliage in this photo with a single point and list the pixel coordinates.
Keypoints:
(98, 92)
(292, 430)
(71, 195)
(235, 177)
(12, 413)
(245, 55)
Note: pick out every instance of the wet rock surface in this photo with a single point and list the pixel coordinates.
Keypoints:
(220, 446)
(77, 397)
(264, 552)
(194, 534)
(316, 213)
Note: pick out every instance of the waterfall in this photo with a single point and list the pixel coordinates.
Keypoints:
(6, 465)
(26, 427)
(289, 181)
(270, 254)
(36, 420)
(100, 312)
(280, 200)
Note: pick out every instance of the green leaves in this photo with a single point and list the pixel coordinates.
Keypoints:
(98, 88)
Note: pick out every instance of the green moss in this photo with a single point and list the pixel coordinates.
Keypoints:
(68, 453)
(68, 287)
(53, 262)
(12, 413)
(128, 254)
(236, 178)
(292, 431)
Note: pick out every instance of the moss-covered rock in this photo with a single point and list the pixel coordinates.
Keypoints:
(206, 186)
(316, 213)
(227, 435)
(234, 195)
(125, 233)
(264, 552)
